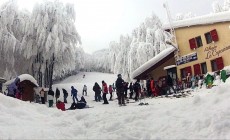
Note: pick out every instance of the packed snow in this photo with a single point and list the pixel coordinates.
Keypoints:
(205, 114)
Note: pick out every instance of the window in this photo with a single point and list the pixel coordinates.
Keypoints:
(195, 42)
(208, 38)
(185, 71)
(197, 70)
(211, 36)
(217, 64)
(199, 41)
(204, 68)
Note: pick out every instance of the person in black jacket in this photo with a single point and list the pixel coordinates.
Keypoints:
(120, 90)
(97, 90)
(65, 95)
(169, 85)
(57, 94)
(131, 90)
(137, 89)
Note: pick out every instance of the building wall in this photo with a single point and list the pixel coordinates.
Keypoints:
(159, 71)
(184, 34)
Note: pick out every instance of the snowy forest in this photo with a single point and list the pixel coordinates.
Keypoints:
(45, 43)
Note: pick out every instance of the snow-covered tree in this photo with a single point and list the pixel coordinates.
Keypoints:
(46, 41)
(131, 52)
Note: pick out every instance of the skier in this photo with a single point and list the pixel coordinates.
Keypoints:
(42, 95)
(57, 94)
(131, 90)
(65, 95)
(110, 92)
(97, 90)
(153, 88)
(84, 90)
(169, 86)
(104, 91)
(126, 88)
(137, 89)
(74, 93)
(120, 90)
(50, 97)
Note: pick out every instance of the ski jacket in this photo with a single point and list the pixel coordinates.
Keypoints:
(65, 93)
(110, 89)
(97, 89)
(119, 83)
(104, 88)
(73, 92)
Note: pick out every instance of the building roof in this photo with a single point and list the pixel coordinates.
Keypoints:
(200, 20)
(152, 63)
(23, 77)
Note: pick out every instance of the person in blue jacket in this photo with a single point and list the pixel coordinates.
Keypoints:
(74, 94)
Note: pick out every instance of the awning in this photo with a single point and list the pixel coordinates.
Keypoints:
(153, 63)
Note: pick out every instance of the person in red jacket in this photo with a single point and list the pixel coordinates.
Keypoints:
(60, 105)
(152, 87)
(104, 91)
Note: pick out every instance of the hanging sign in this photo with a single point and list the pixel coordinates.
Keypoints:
(187, 58)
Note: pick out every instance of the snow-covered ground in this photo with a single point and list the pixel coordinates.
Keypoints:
(204, 115)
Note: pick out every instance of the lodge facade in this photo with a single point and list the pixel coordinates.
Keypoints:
(203, 46)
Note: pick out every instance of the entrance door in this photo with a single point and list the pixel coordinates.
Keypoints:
(172, 72)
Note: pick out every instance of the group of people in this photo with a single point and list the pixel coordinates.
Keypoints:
(104, 90)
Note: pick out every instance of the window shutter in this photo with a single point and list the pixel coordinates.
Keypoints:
(220, 63)
(192, 43)
(197, 70)
(188, 70)
(214, 35)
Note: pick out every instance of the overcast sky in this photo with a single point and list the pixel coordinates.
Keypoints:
(101, 21)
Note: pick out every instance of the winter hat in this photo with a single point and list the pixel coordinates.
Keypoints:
(119, 75)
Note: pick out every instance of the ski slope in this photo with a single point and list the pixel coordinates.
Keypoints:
(204, 115)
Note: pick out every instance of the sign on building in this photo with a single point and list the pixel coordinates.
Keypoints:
(187, 58)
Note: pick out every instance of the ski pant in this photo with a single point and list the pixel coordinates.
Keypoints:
(131, 95)
(75, 97)
(97, 97)
(84, 91)
(51, 103)
(105, 99)
(111, 95)
(121, 96)
(125, 93)
(65, 99)
(137, 95)
(43, 100)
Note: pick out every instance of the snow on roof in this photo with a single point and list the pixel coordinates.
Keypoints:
(153, 61)
(169, 67)
(22, 78)
(200, 20)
